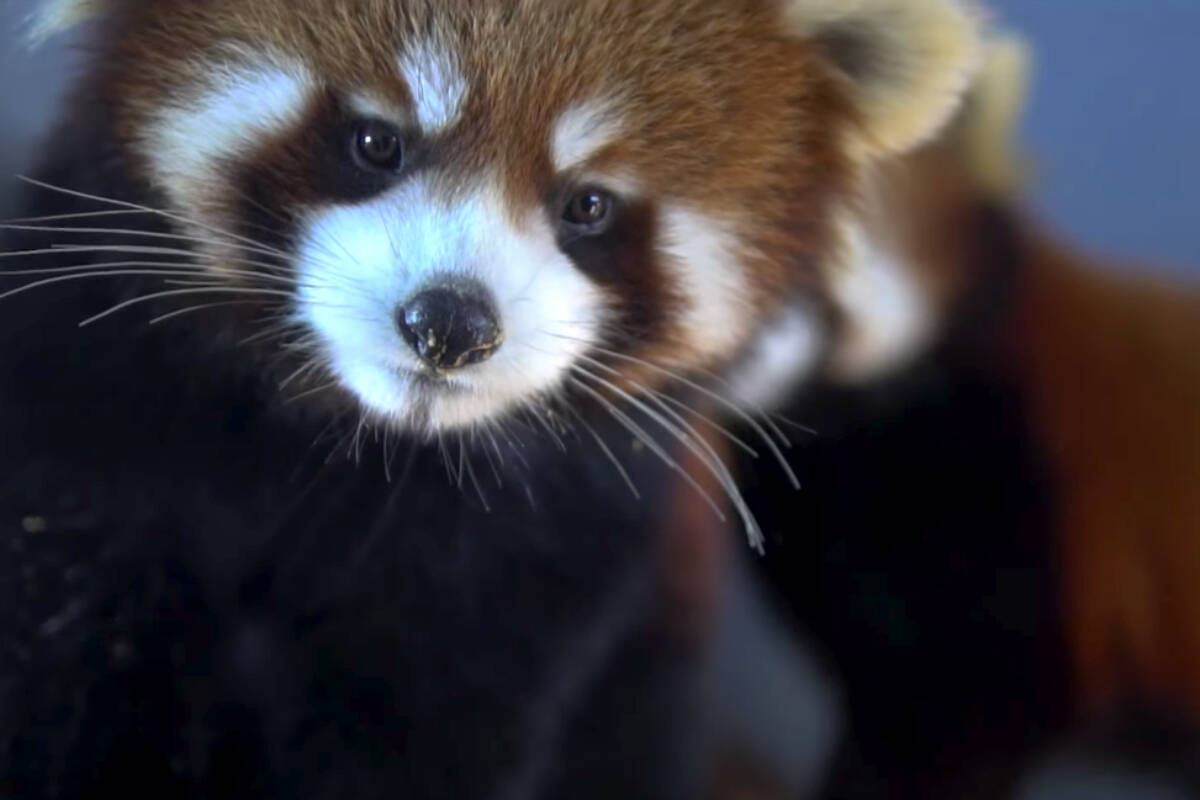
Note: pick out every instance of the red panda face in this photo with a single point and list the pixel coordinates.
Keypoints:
(479, 204)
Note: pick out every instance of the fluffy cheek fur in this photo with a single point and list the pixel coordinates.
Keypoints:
(357, 264)
(704, 258)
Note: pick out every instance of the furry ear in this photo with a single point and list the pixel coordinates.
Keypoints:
(907, 61)
(52, 17)
(889, 308)
(987, 130)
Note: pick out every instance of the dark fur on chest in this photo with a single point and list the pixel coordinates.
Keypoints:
(206, 593)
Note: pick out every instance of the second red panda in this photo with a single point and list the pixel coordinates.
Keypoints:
(997, 544)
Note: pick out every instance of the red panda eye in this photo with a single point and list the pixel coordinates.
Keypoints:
(378, 146)
(589, 211)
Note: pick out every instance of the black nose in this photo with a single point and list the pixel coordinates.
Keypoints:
(450, 327)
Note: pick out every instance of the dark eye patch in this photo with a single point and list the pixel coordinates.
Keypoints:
(624, 261)
(315, 162)
(310, 164)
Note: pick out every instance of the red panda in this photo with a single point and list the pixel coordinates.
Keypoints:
(1105, 360)
(453, 241)
(997, 541)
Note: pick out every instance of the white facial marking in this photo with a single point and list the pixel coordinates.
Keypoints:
(358, 264)
(366, 105)
(436, 84)
(229, 114)
(889, 319)
(782, 356)
(706, 257)
(583, 130)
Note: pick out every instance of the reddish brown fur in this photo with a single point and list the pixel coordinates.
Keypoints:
(1111, 367)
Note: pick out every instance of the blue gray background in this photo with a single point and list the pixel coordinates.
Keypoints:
(1114, 123)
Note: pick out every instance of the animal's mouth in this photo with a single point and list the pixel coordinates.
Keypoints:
(431, 382)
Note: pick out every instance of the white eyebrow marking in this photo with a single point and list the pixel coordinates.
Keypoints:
(366, 105)
(436, 84)
(581, 131)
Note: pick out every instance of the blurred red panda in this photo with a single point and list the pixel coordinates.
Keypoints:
(998, 538)
(1107, 360)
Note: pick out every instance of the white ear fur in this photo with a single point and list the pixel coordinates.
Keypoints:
(990, 121)
(908, 61)
(52, 17)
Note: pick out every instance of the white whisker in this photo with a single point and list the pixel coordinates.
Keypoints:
(609, 453)
(310, 392)
(691, 439)
(362, 425)
(176, 237)
(111, 212)
(98, 265)
(194, 261)
(638, 431)
(177, 293)
(727, 403)
(86, 275)
(733, 438)
(488, 455)
(202, 307)
(139, 207)
(276, 329)
(514, 444)
(461, 458)
(307, 367)
(475, 480)
(534, 410)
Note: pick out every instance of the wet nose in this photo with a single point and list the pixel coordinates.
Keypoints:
(450, 327)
